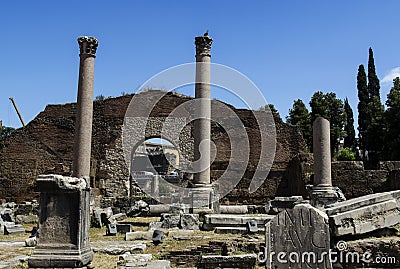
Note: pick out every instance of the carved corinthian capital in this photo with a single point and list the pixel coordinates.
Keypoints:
(88, 45)
(203, 45)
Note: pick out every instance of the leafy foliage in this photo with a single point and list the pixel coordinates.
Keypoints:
(299, 115)
(330, 108)
(5, 132)
(345, 154)
(392, 118)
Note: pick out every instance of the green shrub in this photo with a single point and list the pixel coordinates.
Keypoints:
(345, 154)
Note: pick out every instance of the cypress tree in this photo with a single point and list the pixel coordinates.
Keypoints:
(363, 114)
(376, 128)
(350, 134)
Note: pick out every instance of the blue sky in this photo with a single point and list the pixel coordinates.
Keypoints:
(289, 49)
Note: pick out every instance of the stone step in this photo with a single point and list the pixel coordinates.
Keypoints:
(236, 230)
(230, 220)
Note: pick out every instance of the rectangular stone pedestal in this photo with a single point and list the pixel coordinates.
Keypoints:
(63, 236)
(201, 200)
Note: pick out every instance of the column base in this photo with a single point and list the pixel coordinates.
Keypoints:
(60, 258)
(322, 196)
(201, 197)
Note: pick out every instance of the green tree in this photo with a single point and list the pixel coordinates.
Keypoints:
(330, 108)
(363, 114)
(350, 134)
(272, 108)
(299, 115)
(392, 118)
(376, 128)
(5, 132)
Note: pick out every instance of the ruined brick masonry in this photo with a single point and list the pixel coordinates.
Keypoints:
(45, 146)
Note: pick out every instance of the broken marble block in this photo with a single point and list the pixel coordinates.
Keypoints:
(189, 222)
(364, 214)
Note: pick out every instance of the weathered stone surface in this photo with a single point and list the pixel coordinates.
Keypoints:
(155, 225)
(365, 214)
(117, 217)
(118, 249)
(12, 228)
(233, 209)
(251, 226)
(158, 210)
(189, 222)
(111, 229)
(26, 155)
(180, 233)
(245, 261)
(26, 219)
(298, 238)
(64, 223)
(158, 237)
(124, 228)
(31, 242)
(170, 220)
(139, 235)
(234, 220)
(280, 203)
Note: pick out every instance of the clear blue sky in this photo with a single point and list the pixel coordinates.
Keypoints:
(289, 49)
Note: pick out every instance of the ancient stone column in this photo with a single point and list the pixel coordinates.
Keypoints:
(322, 193)
(64, 224)
(202, 126)
(84, 115)
(322, 153)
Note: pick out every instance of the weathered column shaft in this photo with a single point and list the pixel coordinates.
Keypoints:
(202, 125)
(84, 114)
(322, 153)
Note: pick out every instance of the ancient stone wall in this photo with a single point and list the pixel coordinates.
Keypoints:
(45, 146)
(349, 176)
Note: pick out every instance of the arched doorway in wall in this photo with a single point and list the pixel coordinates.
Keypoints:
(152, 160)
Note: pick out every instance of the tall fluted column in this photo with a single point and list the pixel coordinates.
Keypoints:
(202, 126)
(84, 115)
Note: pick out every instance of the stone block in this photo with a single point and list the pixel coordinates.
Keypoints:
(111, 229)
(189, 222)
(251, 226)
(31, 242)
(298, 232)
(170, 220)
(245, 261)
(155, 225)
(118, 248)
(158, 237)
(365, 214)
(280, 203)
(124, 228)
(233, 209)
(158, 210)
(139, 235)
(27, 219)
(180, 233)
(117, 217)
(13, 229)
(63, 236)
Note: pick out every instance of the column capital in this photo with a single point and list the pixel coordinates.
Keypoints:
(203, 45)
(88, 45)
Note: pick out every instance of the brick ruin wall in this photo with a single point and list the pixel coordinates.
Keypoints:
(45, 146)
